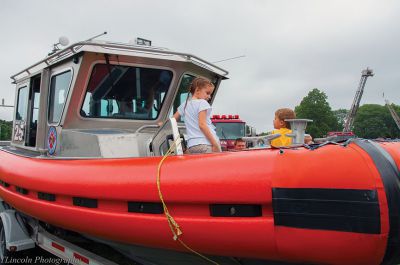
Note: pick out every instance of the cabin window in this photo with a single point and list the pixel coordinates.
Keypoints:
(34, 100)
(182, 92)
(124, 92)
(59, 88)
(22, 106)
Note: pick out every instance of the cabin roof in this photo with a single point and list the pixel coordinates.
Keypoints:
(117, 49)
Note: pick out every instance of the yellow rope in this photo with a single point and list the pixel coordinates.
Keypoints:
(173, 225)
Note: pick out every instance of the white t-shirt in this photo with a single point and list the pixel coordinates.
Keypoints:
(191, 117)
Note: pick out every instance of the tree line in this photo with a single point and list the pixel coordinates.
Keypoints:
(5, 130)
(371, 121)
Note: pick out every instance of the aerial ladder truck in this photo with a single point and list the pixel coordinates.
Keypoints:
(394, 114)
(356, 102)
(347, 132)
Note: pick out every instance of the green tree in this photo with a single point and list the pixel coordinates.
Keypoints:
(316, 107)
(374, 121)
(340, 115)
(5, 130)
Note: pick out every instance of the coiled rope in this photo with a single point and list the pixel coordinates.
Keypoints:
(173, 225)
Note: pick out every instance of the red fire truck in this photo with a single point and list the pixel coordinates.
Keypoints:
(229, 128)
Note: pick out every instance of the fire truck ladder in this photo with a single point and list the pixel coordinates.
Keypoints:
(356, 102)
(394, 114)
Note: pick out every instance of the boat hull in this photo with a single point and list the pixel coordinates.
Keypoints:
(326, 206)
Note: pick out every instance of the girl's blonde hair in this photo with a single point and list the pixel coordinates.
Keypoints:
(198, 82)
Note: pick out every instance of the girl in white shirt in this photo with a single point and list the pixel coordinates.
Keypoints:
(201, 135)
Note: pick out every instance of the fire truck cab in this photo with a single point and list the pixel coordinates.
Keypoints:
(229, 128)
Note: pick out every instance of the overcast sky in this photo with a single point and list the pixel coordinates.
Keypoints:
(290, 47)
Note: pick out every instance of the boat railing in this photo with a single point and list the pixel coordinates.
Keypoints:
(263, 141)
(5, 143)
(146, 127)
(167, 136)
(77, 47)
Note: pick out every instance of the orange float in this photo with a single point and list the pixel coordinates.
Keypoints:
(332, 205)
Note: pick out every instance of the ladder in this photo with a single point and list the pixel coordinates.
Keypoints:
(394, 114)
(356, 102)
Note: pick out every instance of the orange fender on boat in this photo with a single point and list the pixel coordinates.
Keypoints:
(333, 205)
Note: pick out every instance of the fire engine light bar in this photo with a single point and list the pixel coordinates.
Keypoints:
(225, 117)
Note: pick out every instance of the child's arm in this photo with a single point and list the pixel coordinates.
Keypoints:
(204, 128)
(177, 116)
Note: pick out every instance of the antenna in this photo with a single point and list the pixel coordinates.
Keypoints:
(63, 41)
(232, 58)
(94, 37)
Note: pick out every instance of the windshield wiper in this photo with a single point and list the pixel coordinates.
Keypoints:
(223, 134)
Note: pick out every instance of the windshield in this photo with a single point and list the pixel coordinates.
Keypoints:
(230, 130)
(124, 92)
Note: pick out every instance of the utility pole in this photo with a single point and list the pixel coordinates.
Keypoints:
(356, 102)
(3, 105)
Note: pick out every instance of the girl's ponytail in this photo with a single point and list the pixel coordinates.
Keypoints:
(198, 82)
(189, 92)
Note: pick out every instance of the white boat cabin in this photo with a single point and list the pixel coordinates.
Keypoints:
(101, 99)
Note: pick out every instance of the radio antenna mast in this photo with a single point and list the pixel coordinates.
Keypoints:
(236, 57)
(99, 35)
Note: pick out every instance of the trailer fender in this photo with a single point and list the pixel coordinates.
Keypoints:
(16, 236)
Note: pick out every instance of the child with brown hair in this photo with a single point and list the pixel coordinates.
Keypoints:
(201, 135)
(282, 127)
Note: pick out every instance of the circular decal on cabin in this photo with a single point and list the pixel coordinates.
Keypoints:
(52, 140)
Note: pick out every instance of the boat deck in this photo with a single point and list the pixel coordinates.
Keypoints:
(19, 151)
